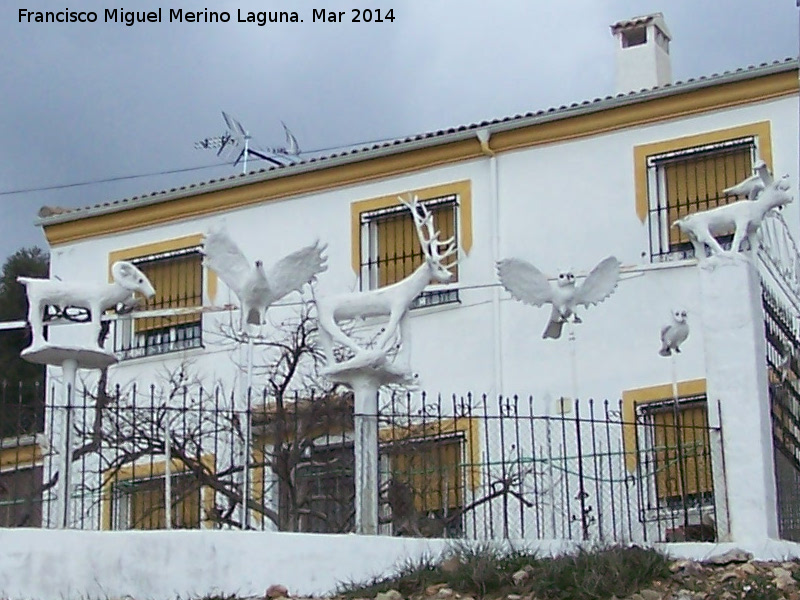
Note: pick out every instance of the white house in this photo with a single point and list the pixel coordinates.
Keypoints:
(560, 188)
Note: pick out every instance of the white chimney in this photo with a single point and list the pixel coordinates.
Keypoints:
(642, 53)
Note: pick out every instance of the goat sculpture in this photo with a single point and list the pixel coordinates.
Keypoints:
(392, 301)
(92, 296)
(743, 218)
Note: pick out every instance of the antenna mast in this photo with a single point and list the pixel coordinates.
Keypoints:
(237, 135)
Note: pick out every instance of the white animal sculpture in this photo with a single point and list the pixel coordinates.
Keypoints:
(674, 334)
(392, 301)
(753, 185)
(528, 284)
(743, 218)
(95, 297)
(256, 288)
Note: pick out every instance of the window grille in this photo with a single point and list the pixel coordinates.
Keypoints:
(390, 248)
(177, 277)
(691, 180)
(21, 497)
(326, 479)
(140, 503)
(678, 450)
(431, 469)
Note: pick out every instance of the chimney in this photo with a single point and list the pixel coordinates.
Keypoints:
(642, 53)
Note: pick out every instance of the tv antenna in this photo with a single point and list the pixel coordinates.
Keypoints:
(237, 136)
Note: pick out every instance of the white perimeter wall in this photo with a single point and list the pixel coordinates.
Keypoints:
(40, 564)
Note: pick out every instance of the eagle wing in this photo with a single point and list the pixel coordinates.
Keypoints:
(224, 257)
(599, 284)
(292, 272)
(524, 282)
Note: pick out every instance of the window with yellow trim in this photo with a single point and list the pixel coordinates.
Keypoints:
(679, 450)
(21, 497)
(391, 250)
(426, 487)
(323, 485)
(689, 180)
(177, 277)
(141, 503)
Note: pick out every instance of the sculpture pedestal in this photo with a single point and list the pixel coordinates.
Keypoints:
(365, 373)
(56, 355)
(70, 359)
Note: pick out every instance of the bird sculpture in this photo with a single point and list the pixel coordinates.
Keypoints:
(753, 185)
(528, 284)
(256, 287)
(674, 334)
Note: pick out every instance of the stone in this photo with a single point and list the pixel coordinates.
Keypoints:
(734, 555)
(450, 564)
(432, 590)
(520, 577)
(635, 597)
(389, 595)
(746, 569)
(687, 566)
(649, 594)
(513, 597)
(276, 591)
(443, 594)
(728, 576)
(781, 572)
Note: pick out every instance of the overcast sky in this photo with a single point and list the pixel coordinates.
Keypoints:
(83, 102)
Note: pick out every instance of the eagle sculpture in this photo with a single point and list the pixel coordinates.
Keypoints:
(258, 288)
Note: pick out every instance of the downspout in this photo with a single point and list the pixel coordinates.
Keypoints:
(494, 234)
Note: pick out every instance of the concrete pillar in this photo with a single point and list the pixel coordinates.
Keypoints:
(736, 375)
(366, 455)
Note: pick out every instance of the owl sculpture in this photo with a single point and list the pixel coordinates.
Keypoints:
(528, 284)
(674, 334)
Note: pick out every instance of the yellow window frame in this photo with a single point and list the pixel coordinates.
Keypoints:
(761, 131)
(153, 470)
(461, 189)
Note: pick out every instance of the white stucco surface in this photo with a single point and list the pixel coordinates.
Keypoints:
(40, 564)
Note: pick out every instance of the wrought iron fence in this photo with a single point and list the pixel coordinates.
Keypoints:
(465, 466)
(781, 328)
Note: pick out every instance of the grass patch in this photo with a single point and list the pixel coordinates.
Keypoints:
(485, 571)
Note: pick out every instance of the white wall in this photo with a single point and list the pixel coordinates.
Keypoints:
(52, 565)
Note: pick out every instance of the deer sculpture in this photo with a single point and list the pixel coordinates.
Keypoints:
(94, 297)
(392, 301)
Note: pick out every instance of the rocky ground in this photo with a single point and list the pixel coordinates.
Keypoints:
(729, 576)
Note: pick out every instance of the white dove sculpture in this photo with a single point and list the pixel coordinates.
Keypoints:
(753, 185)
(674, 334)
(528, 284)
(256, 287)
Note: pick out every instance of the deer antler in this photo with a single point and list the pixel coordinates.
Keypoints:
(428, 236)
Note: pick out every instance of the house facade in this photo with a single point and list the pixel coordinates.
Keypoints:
(560, 188)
